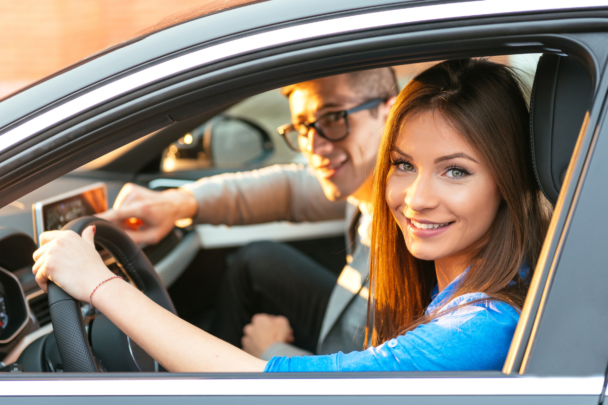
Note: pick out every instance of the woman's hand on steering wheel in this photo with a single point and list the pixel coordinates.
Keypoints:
(71, 262)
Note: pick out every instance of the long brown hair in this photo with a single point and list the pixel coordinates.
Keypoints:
(485, 103)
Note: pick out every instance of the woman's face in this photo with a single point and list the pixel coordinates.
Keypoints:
(439, 189)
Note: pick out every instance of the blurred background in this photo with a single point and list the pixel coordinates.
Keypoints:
(40, 37)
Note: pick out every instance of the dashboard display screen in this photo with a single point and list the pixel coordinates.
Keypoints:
(54, 213)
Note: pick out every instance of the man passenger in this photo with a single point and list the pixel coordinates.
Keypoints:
(276, 301)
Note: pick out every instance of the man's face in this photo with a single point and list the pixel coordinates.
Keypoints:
(342, 167)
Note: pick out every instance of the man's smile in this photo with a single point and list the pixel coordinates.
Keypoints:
(330, 168)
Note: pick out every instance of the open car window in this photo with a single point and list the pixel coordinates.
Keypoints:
(250, 127)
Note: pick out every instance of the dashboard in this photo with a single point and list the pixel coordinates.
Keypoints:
(54, 213)
(14, 312)
(24, 311)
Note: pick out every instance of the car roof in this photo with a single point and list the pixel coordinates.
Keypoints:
(183, 35)
(163, 40)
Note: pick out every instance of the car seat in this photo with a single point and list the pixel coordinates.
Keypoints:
(561, 95)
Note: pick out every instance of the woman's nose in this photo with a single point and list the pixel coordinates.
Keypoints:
(420, 195)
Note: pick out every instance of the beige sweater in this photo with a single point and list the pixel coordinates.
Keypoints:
(293, 193)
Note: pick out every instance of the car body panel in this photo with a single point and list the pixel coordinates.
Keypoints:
(170, 41)
(581, 348)
(473, 390)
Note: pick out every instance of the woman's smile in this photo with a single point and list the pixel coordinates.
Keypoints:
(427, 229)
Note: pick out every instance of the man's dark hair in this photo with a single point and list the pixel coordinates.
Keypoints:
(369, 84)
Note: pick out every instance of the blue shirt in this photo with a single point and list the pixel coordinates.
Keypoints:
(473, 337)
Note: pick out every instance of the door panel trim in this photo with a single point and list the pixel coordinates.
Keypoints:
(221, 236)
(177, 261)
(306, 387)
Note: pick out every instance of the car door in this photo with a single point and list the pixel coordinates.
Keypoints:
(545, 363)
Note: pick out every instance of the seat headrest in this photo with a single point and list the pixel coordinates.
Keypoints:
(560, 96)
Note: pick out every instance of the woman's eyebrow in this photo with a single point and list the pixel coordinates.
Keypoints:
(455, 155)
(396, 149)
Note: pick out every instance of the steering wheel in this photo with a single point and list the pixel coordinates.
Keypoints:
(68, 325)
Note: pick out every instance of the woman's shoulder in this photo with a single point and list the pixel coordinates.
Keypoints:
(472, 332)
(475, 305)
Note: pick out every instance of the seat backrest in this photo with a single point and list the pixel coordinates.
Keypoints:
(560, 97)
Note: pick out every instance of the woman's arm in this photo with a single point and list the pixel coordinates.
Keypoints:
(72, 263)
(173, 342)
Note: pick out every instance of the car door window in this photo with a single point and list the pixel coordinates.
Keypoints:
(244, 136)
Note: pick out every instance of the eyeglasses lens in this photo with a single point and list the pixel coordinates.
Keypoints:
(332, 126)
(292, 138)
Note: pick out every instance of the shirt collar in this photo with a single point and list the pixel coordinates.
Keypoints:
(442, 297)
(364, 227)
(439, 297)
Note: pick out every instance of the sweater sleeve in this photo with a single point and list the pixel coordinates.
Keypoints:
(274, 193)
(473, 337)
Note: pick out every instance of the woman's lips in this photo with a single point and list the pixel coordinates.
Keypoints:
(427, 229)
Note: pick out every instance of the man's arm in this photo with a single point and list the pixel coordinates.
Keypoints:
(275, 193)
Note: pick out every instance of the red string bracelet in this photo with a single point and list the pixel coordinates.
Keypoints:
(105, 281)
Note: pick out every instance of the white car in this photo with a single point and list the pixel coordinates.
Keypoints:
(162, 109)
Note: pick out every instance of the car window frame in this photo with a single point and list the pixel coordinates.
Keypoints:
(15, 134)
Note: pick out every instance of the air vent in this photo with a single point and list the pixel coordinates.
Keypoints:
(39, 306)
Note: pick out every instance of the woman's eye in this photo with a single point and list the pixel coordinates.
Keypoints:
(404, 166)
(456, 172)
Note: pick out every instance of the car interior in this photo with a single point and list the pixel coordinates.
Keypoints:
(191, 260)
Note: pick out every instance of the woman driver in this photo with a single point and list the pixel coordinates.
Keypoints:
(458, 223)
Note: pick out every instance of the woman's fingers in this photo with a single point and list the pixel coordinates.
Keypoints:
(71, 262)
(42, 262)
(42, 280)
(88, 235)
(48, 236)
(38, 253)
(39, 271)
(46, 242)
(42, 251)
(36, 265)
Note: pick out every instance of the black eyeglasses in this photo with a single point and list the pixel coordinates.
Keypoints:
(332, 126)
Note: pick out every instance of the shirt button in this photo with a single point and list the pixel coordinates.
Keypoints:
(392, 343)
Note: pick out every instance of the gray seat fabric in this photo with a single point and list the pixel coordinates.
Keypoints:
(560, 97)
